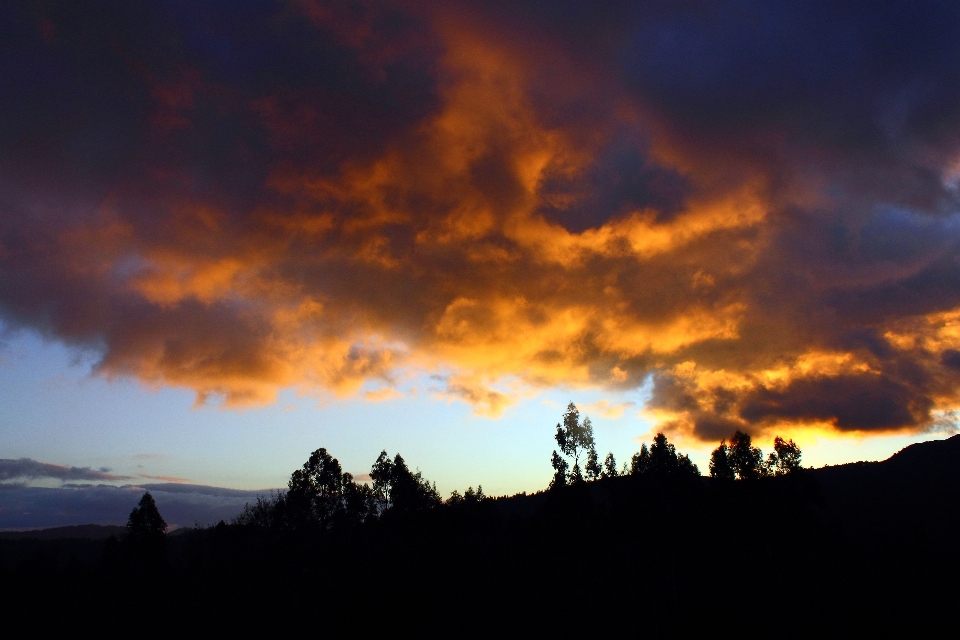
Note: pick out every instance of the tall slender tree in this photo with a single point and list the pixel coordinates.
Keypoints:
(574, 439)
(382, 475)
(592, 467)
(610, 466)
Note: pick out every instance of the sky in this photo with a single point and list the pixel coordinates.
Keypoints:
(233, 233)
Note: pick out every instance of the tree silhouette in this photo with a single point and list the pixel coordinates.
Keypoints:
(560, 468)
(640, 462)
(410, 491)
(610, 466)
(145, 544)
(661, 458)
(720, 464)
(317, 492)
(685, 465)
(145, 522)
(382, 475)
(663, 455)
(575, 438)
(359, 502)
(267, 512)
(745, 459)
(786, 457)
(592, 467)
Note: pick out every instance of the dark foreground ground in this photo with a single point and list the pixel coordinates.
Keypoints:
(867, 549)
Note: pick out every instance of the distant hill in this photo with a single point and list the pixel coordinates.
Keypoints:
(78, 532)
(913, 493)
(915, 490)
(860, 549)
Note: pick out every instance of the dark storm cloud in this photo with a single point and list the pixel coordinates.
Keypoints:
(623, 179)
(26, 468)
(839, 77)
(755, 203)
(852, 403)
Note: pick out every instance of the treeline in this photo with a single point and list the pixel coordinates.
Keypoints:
(646, 548)
(575, 440)
(322, 496)
(738, 460)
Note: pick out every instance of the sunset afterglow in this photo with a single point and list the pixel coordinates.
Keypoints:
(284, 224)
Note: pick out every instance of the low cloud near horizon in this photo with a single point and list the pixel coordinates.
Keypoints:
(180, 505)
(753, 205)
(29, 469)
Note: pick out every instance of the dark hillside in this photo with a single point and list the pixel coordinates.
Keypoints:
(57, 546)
(915, 494)
(861, 549)
(82, 532)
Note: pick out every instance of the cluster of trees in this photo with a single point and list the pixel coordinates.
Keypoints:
(741, 460)
(321, 496)
(662, 458)
(575, 440)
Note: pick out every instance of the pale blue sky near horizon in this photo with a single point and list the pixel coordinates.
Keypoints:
(54, 409)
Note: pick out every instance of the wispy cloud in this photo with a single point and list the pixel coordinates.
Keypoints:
(606, 409)
(173, 479)
(382, 395)
(26, 468)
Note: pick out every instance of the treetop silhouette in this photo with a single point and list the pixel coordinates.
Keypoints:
(145, 521)
(574, 439)
(746, 462)
(720, 463)
(661, 459)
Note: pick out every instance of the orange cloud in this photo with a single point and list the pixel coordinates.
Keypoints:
(475, 194)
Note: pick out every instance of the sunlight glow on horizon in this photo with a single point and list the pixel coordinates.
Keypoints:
(259, 448)
(229, 237)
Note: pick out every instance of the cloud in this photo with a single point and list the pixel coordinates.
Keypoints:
(606, 409)
(754, 204)
(172, 479)
(29, 469)
(485, 401)
(74, 504)
(382, 395)
(200, 489)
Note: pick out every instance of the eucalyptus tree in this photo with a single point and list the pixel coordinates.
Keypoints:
(785, 458)
(610, 467)
(575, 440)
(745, 459)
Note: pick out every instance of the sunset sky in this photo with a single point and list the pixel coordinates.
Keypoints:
(232, 233)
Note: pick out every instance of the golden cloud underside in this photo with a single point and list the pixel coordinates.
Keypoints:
(439, 249)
